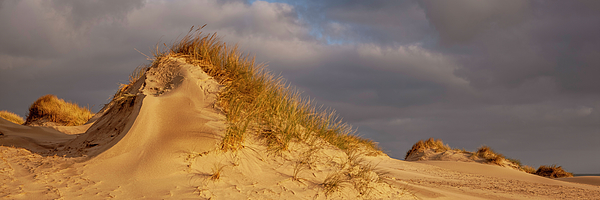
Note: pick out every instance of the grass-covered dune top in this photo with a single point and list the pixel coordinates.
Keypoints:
(256, 102)
(51, 109)
(432, 149)
(12, 117)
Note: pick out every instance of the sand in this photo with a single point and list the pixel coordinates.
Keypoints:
(161, 142)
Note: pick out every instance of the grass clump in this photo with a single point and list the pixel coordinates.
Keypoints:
(333, 183)
(552, 171)
(490, 155)
(355, 173)
(528, 169)
(257, 102)
(12, 117)
(436, 145)
(50, 108)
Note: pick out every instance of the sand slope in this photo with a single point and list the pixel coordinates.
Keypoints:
(160, 142)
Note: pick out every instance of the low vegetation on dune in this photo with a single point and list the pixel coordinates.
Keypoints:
(12, 117)
(436, 145)
(51, 109)
(552, 171)
(255, 101)
(491, 156)
(483, 154)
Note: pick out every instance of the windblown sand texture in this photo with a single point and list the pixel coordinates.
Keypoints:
(160, 141)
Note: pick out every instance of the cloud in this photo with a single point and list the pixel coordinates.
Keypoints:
(459, 21)
(87, 13)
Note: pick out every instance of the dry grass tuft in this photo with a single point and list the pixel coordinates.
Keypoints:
(124, 91)
(12, 117)
(552, 171)
(217, 169)
(333, 183)
(50, 108)
(353, 172)
(490, 155)
(436, 145)
(528, 169)
(257, 102)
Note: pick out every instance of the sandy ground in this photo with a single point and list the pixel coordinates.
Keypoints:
(160, 142)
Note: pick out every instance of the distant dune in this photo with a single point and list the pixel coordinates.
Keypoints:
(203, 122)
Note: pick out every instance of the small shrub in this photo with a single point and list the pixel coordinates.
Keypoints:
(436, 145)
(12, 117)
(552, 171)
(50, 108)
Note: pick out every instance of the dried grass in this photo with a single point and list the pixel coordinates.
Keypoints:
(490, 155)
(436, 145)
(257, 102)
(50, 108)
(12, 117)
(528, 169)
(552, 171)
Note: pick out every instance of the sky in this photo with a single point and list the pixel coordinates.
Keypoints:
(518, 76)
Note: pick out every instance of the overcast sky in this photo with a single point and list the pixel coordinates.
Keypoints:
(518, 76)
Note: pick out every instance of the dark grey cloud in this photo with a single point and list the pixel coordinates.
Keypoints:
(87, 13)
(511, 43)
(379, 21)
(459, 21)
(518, 76)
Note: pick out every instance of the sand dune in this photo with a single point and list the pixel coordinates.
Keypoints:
(161, 142)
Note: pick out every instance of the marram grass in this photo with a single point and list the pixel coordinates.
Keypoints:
(256, 102)
(50, 108)
(12, 117)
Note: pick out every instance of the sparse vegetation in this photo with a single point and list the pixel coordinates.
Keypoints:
(490, 155)
(552, 171)
(216, 171)
(257, 102)
(50, 108)
(123, 92)
(436, 145)
(353, 172)
(304, 162)
(528, 169)
(12, 117)
(333, 183)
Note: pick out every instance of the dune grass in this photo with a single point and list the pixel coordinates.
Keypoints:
(528, 169)
(436, 145)
(552, 171)
(355, 173)
(257, 102)
(491, 156)
(12, 117)
(50, 108)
